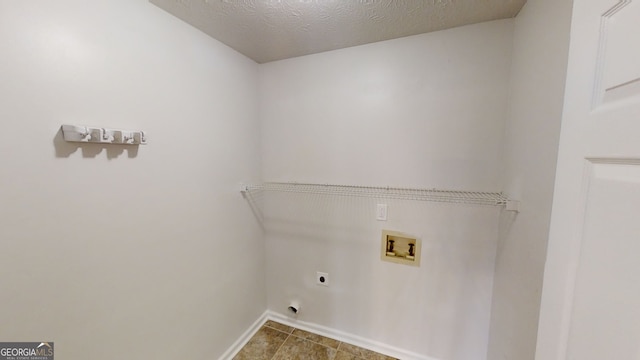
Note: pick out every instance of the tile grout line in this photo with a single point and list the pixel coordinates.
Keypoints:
(281, 345)
(289, 334)
(337, 348)
(315, 342)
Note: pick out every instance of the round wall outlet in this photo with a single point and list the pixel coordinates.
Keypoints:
(322, 278)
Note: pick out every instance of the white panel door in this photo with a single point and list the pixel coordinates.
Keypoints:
(591, 293)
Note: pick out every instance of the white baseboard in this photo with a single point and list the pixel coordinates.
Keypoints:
(346, 337)
(244, 338)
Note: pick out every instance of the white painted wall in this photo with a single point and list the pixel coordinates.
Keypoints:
(128, 254)
(540, 52)
(424, 111)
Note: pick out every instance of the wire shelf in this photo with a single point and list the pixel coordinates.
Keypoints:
(448, 196)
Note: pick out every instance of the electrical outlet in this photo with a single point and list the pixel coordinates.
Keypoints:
(381, 212)
(322, 278)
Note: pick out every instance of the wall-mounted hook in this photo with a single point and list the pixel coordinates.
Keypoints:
(139, 137)
(85, 134)
(127, 137)
(107, 135)
(75, 133)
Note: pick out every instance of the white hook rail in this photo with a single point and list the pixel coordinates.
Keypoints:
(449, 196)
(87, 134)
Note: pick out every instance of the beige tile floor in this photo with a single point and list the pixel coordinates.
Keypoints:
(275, 341)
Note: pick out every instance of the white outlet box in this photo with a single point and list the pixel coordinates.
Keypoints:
(322, 278)
(381, 212)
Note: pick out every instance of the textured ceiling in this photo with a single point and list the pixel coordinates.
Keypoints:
(268, 30)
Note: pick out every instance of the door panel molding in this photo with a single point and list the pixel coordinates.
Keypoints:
(599, 275)
(603, 91)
